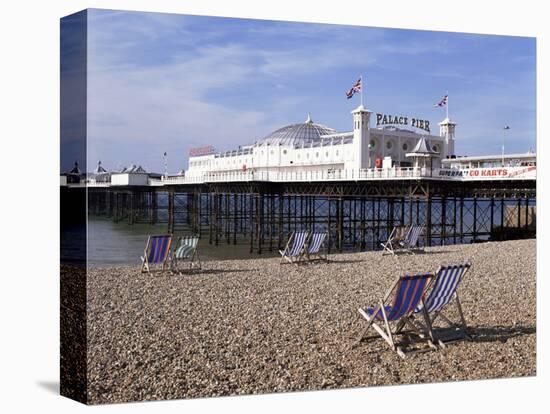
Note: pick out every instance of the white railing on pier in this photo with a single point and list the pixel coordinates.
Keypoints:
(297, 176)
(289, 176)
(396, 173)
(285, 176)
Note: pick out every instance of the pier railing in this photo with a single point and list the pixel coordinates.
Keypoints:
(396, 173)
(285, 176)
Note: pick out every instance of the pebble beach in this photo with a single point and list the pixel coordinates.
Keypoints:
(255, 326)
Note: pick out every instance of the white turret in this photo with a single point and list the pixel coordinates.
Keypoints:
(361, 137)
(447, 130)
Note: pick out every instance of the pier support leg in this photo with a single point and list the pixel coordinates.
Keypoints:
(340, 223)
(474, 231)
(170, 212)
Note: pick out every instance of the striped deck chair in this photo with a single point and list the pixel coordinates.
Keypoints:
(313, 249)
(156, 252)
(396, 236)
(408, 293)
(294, 249)
(411, 239)
(186, 250)
(443, 292)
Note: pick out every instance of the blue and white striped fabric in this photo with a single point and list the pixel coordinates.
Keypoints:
(446, 283)
(157, 248)
(408, 294)
(412, 236)
(298, 242)
(315, 243)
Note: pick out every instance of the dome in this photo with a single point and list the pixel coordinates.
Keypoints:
(296, 134)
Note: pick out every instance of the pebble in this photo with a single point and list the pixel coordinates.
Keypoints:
(254, 326)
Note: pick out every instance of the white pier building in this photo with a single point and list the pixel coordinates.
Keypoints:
(309, 146)
(379, 147)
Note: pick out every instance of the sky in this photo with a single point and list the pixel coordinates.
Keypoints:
(167, 83)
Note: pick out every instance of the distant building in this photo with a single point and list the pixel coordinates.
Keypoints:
(133, 175)
(72, 176)
(99, 175)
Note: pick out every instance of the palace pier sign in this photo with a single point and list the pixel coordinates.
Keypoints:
(383, 119)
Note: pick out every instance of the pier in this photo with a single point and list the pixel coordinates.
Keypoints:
(358, 213)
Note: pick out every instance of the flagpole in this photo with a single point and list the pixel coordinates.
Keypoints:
(361, 77)
(447, 106)
(503, 139)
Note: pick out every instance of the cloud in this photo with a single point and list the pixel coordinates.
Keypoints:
(179, 101)
(160, 82)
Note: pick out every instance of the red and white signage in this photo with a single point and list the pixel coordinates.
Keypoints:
(200, 151)
(483, 174)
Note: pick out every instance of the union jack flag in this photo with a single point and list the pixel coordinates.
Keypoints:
(354, 89)
(443, 101)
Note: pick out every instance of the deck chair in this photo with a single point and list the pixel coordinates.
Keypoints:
(314, 244)
(410, 241)
(408, 293)
(443, 292)
(396, 236)
(186, 250)
(156, 252)
(294, 249)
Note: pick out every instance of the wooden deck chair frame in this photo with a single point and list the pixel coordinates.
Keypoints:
(460, 329)
(295, 259)
(394, 238)
(145, 265)
(385, 331)
(194, 260)
(318, 255)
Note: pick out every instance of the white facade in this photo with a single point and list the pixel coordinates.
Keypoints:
(309, 146)
(130, 179)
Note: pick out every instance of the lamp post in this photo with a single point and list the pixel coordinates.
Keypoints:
(506, 128)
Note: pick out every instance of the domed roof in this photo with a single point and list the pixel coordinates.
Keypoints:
(297, 134)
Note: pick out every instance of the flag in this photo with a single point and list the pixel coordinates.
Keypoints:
(506, 127)
(354, 89)
(443, 101)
